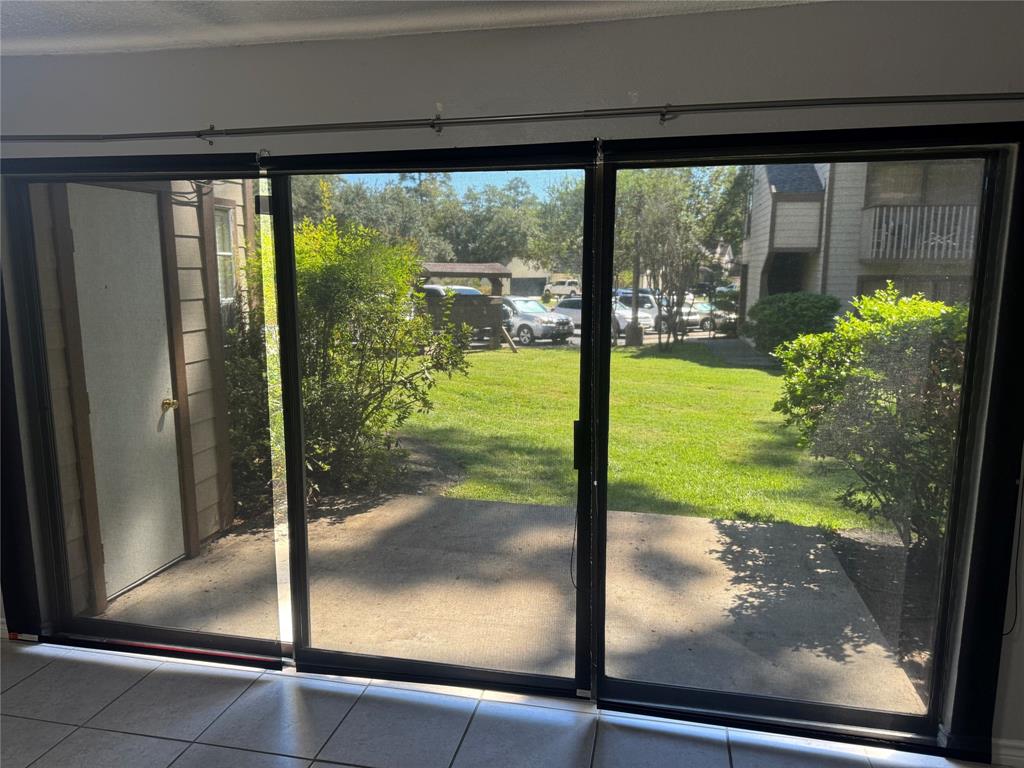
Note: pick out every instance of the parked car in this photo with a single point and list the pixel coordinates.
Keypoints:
(702, 315)
(649, 304)
(568, 287)
(621, 315)
(530, 320)
(571, 307)
(444, 290)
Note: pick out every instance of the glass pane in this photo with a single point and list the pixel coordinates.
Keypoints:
(781, 453)
(222, 230)
(160, 405)
(441, 488)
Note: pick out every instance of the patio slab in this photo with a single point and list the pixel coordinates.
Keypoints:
(744, 607)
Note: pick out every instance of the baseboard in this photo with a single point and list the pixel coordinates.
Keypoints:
(1008, 752)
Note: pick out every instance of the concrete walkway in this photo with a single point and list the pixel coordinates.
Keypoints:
(745, 607)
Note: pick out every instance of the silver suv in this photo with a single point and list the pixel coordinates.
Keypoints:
(621, 315)
(529, 320)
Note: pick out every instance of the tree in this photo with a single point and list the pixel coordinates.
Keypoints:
(880, 393)
(369, 353)
(558, 243)
(669, 222)
(495, 224)
(402, 211)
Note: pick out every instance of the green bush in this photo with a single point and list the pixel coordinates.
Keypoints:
(369, 353)
(880, 393)
(784, 316)
(245, 373)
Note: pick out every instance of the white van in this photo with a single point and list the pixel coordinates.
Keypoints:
(568, 287)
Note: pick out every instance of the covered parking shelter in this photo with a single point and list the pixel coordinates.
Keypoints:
(449, 270)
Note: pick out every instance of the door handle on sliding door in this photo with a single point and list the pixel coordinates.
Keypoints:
(167, 404)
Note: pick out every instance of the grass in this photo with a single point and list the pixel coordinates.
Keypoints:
(688, 436)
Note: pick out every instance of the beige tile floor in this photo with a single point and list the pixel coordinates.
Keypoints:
(85, 708)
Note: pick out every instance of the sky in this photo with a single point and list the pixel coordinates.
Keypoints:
(539, 181)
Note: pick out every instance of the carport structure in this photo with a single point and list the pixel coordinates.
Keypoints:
(449, 270)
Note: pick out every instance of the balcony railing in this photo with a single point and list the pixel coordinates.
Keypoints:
(920, 232)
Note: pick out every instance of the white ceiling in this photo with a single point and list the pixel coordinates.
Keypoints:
(29, 27)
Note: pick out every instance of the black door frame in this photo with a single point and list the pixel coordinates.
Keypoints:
(61, 624)
(968, 732)
(966, 722)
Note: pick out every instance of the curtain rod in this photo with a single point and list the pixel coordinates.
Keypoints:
(437, 123)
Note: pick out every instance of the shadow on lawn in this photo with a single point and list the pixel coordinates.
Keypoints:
(712, 353)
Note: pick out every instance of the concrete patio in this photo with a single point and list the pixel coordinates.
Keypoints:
(744, 607)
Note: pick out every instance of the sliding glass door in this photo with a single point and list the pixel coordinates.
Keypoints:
(153, 318)
(440, 333)
(785, 419)
(678, 433)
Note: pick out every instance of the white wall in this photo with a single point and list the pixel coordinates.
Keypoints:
(791, 52)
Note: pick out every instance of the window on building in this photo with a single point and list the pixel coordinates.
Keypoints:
(894, 184)
(944, 182)
(225, 253)
(955, 182)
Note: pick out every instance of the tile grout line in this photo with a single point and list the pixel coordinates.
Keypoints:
(34, 671)
(61, 740)
(343, 719)
(728, 746)
(472, 717)
(597, 731)
(229, 706)
(122, 693)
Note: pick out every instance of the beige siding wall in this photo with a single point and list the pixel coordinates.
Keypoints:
(197, 330)
(60, 399)
(755, 246)
(796, 224)
(844, 266)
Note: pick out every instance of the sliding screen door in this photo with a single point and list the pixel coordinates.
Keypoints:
(440, 383)
(156, 334)
(785, 416)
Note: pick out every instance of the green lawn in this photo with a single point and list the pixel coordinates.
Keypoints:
(689, 436)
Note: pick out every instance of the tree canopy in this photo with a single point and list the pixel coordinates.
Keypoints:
(669, 221)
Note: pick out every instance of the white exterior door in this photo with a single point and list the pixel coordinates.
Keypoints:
(122, 312)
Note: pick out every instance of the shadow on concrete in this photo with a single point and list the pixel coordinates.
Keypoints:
(721, 605)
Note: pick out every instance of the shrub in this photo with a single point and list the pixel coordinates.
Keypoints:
(369, 353)
(245, 372)
(784, 316)
(881, 394)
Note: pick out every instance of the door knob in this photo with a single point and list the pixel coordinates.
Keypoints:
(167, 404)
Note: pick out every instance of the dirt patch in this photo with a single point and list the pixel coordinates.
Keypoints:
(426, 471)
(900, 596)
